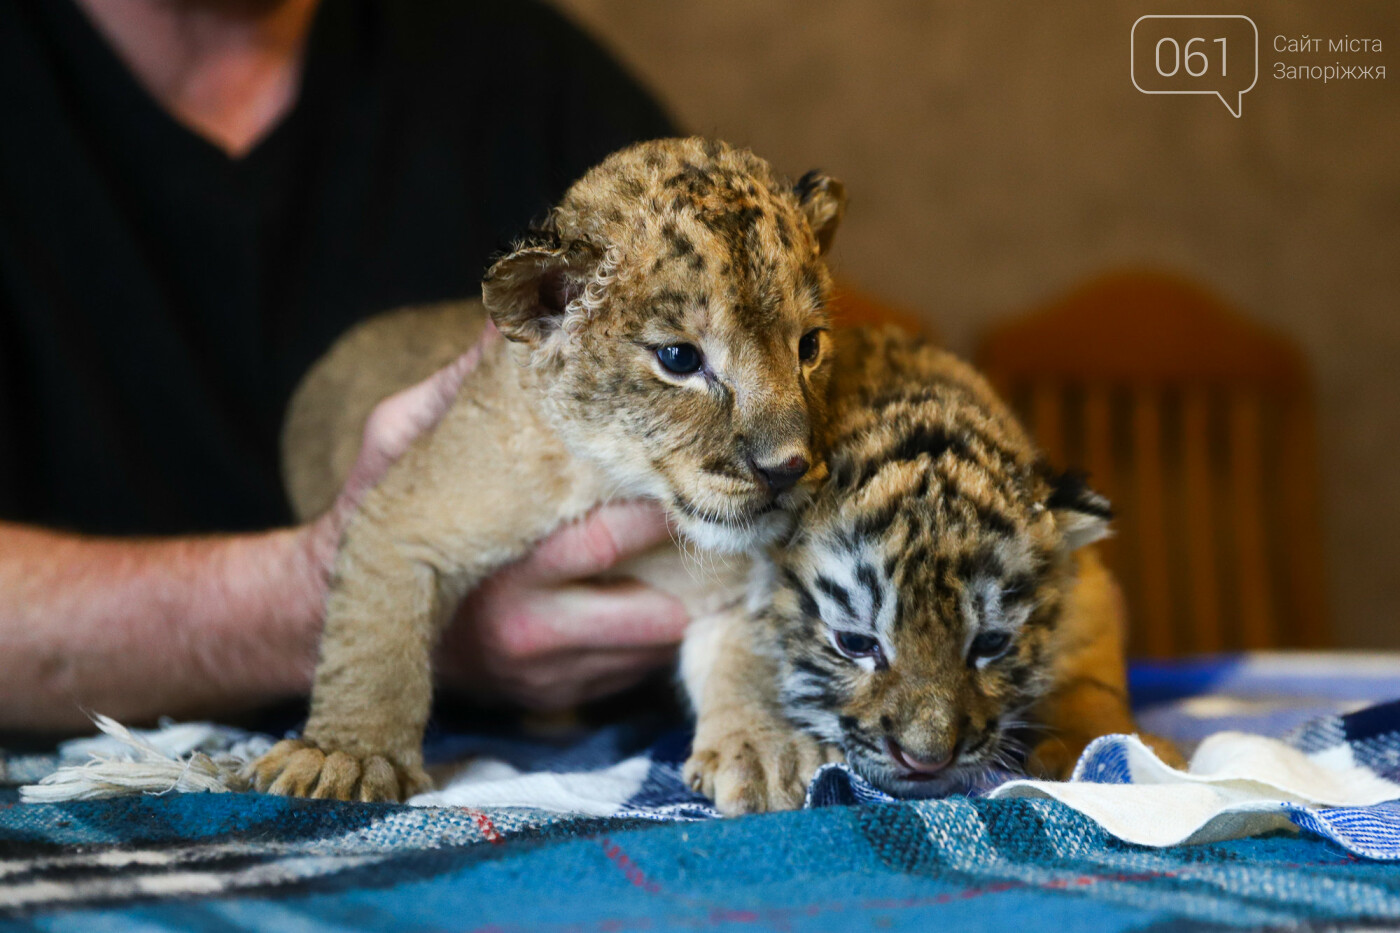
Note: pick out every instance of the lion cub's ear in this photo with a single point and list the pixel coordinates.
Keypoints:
(823, 200)
(1081, 514)
(527, 292)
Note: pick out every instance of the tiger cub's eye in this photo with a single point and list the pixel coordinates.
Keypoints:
(809, 345)
(680, 358)
(855, 645)
(989, 645)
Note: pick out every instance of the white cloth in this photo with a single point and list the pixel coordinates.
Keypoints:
(1236, 785)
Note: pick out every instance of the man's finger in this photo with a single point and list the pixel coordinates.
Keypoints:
(521, 625)
(597, 543)
(588, 675)
(583, 617)
(619, 615)
(610, 684)
(569, 678)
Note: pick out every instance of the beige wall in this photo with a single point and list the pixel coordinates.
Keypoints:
(996, 153)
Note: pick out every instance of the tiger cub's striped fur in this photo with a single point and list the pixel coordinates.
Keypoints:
(935, 599)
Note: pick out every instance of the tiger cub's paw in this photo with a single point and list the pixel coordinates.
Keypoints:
(301, 768)
(1165, 749)
(1054, 758)
(756, 769)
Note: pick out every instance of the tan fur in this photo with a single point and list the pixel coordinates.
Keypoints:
(939, 523)
(322, 431)
(670, 242)
(746, 756)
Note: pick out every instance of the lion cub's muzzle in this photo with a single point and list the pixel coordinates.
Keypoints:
(788, 483)
(747, 506)
(779, 468)
(780, 476)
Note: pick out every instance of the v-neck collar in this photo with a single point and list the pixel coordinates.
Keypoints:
(114, 89)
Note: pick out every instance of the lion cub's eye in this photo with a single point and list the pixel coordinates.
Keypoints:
(989, 645)
(680, 358)
(808, 346)
(855, 645)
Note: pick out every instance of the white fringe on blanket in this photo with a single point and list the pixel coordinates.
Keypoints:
(193, 757)
(156, 761)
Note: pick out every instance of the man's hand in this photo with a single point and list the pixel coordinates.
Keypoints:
(216, 624)
(539, 633)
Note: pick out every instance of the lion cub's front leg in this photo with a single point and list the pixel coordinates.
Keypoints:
(398, 577)
(746, 757)
(373, 686)
(422, 538)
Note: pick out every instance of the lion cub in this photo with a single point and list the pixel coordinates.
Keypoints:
(936, 598)
(665, 338)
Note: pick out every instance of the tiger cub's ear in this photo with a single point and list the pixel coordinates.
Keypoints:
(1081, 514)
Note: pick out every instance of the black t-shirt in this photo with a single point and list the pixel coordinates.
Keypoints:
(159, 300)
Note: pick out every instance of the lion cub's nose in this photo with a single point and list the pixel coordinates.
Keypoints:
(784, 475)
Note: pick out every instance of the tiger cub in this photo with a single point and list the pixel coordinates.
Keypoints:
(937, 603)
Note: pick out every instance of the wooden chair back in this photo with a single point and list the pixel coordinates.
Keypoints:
(1198, 424)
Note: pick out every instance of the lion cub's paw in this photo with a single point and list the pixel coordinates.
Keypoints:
(1054, 758)
(755, 770)
(300, 768)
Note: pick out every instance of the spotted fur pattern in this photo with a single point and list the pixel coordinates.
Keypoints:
(685, 241)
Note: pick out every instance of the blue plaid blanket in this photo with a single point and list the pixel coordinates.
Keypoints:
(657, 859)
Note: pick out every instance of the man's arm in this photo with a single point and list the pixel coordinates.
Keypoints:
(136, 628)
(211, 625)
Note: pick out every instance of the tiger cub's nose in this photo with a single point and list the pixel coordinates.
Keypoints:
(916, 769)
(784, 475)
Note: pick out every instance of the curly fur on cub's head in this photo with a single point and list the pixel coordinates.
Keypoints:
(915, 606)
(673, 312)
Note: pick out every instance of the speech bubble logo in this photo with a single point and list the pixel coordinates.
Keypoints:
(1188, 54)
